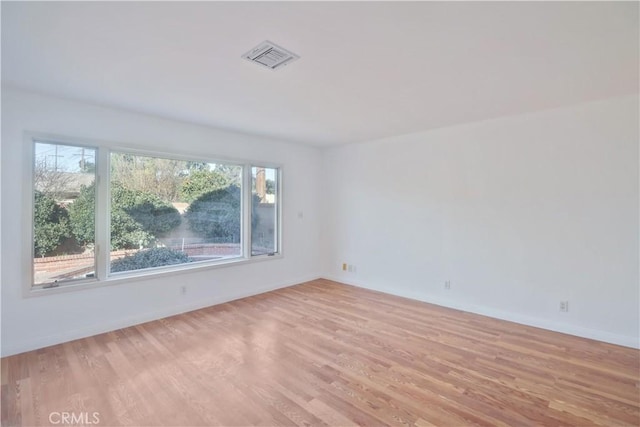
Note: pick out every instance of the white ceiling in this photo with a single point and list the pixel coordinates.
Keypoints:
(367, 70)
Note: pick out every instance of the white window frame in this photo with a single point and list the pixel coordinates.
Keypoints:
(29, 209)
(102, 219)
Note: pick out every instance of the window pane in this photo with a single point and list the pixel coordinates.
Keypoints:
(264, 210)
(63, 213)
(169, 212)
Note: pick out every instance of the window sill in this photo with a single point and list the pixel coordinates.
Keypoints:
(140, 275)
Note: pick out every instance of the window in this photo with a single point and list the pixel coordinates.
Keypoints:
(63, 222)
(168, 212)
(156, 213)
(264, 211)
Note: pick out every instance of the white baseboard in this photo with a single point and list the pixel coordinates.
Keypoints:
(70, 335)
(45, 341)
(595, 334)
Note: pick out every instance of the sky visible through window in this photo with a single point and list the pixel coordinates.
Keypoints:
(63, 158)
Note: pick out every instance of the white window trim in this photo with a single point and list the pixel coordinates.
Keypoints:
(103, 150)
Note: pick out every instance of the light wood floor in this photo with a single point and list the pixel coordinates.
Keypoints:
(324, 353)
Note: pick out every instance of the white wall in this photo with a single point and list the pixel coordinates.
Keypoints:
(519, 213)
(29, 323)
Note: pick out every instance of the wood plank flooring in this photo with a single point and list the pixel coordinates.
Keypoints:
(323, 353)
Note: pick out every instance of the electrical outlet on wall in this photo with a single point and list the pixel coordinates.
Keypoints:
(564, 306)
(350, 268)
(447, 284)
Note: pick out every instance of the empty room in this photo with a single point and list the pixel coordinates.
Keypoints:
(320, 213)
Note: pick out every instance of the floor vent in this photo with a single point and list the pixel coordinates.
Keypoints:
(270, 55)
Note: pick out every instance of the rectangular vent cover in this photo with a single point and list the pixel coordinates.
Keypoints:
(270, 55)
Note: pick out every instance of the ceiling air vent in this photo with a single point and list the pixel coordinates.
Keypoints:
(270, 55)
